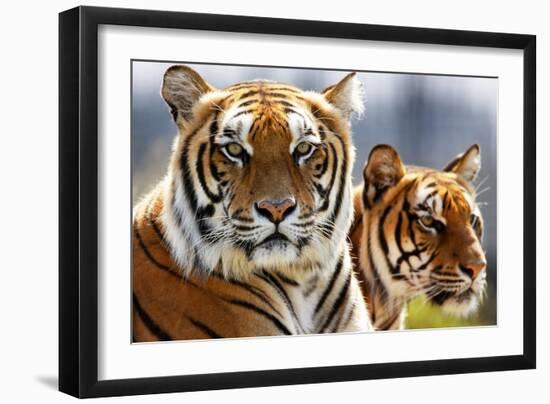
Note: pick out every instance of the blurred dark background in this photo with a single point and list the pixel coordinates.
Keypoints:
(429, 119)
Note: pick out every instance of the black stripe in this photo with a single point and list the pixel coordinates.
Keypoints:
(330, 285)
(304, 224)
(321, 130)
(242, 218)
(248, 94)
(406, 255)
(227, 132)
(188, 185)
(245, 228)
(429, 196)
(247, 305)
(425, 265)
(383, 241)
(365, 196)
(153, 260)
(388, 323)
(262, 312)
(243, 85)
(149, 322)
(199, 165)
(148, 253)
(343, 181)
(376, 283)
(338, 303)
(290, 105)
(446, 201)
(339, 320)
(321, 191)
(254, 128)
(246, 103)
(244, 111)
(441, 297)
(449, 281)
(271, 280)
(412, 218)
(204, 328)
(289, 110)
(186, 169)
(287, 280)
(326, 192)
(349, 316)
(398, 232)
(202, 213)
(290, 90)
(273, 94)
(152, 221)
(213, 169)
(247, 246)
(157, 229)
(322, 168)
(173, 111)
(259, 293)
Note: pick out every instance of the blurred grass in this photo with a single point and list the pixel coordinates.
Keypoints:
(423, 314)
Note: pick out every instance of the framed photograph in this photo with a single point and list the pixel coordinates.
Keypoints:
(251, 201)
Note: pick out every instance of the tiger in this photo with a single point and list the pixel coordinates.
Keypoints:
(246, 234)
(418, 231)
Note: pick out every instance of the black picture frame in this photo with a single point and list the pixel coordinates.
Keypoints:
(78, 200)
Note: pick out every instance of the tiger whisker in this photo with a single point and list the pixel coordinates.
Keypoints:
(480, 183)
(482, 191)
(211, 218)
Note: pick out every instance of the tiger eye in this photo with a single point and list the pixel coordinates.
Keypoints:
(234, 149)
(427, 221)
(303, 148)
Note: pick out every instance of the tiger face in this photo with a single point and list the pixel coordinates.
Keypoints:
(424, 229)
(262, 173)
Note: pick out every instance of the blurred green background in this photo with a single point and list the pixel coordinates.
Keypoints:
(429, 119)
(422, 314)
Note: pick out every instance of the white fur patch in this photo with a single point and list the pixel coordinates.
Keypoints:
(469, 165)
(350, 98)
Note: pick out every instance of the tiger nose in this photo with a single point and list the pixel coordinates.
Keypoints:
(276, 210)
(474, 268)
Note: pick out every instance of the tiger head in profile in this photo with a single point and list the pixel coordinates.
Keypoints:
(418, 231)
(258, 198)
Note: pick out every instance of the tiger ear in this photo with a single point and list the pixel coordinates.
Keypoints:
(347, 96)
(384, 169)
(467, 164)
(181, 89)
